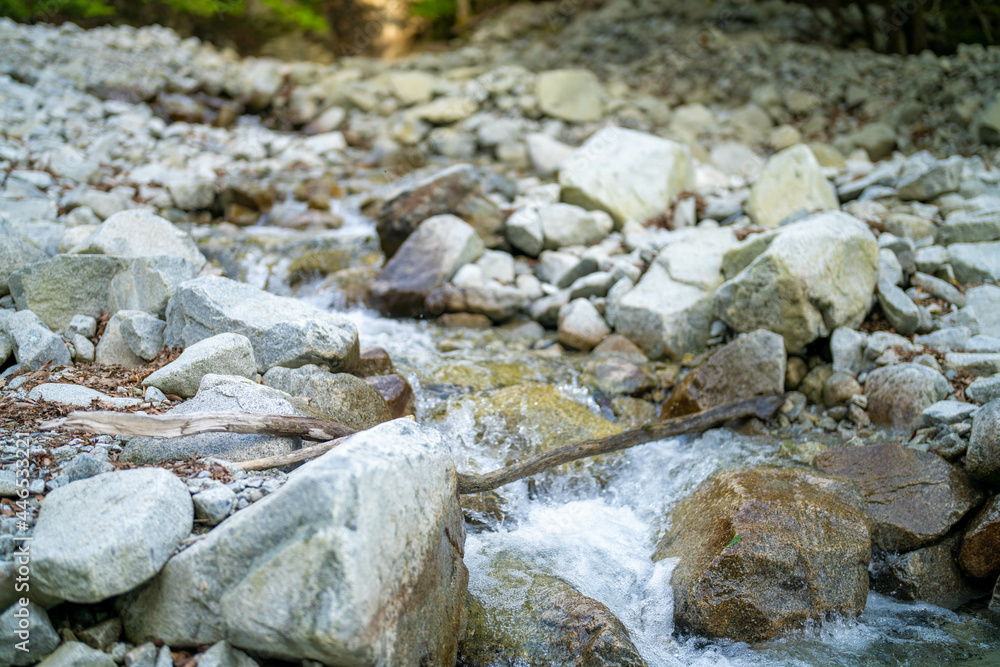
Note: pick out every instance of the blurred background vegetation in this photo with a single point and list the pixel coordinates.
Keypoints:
(355, 27)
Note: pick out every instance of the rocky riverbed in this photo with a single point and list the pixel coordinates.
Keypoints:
(523, 242)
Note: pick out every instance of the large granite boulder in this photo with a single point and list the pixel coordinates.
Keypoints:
(357, 559)
(913, 497)
(752, 365)
(814, 276)
(282, 330)
(766, 550)
(139, 232)
(632, 175)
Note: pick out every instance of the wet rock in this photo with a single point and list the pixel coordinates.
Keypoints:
(396, 392)
(223, 354)
(898, 394)
(373, 361)
(140, 516)
(456, 190)
(752, 365)
(220, 394)
(339, 397)
(574, 95)
(983, 458)
(383, 507)
(791, 182)
(31, 341)
(581, 327)
(614, 377)
(78, 654)
(980, 554)
(282, 330)
(137, 233)
(631, 175)
(755, 560)
(664, 317)
(815, 276)
(520, 615)
(913, 497)
(929, 574)
(427, 259)
(42, 638)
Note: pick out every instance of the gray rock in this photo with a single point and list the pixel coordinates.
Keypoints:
(68, 285)
(84, 325)
(222, 654)
(596, 284)
(889, 268)
(78, 654)
(984, 390)
(983, 344)
(962, 227)
(924, 178)
(33, 344)
(974, 363)
(974, 262)
(562, 269)
(428, 258)
(143, 333)
(945, 412)
(982, 461)
(898, 309)
(580, 326)
(337, 396)
(878, 140)
(847, 347)
(524, 231)
(929, 259)
(547, 155)
(6, 347)
(40, 639)
(113, 348)
(15, 253)
(446, 110)
(220, 394)
(631, 175)
(815, 276)
(909, 226)
(190, 193)
(567, 225)
(143, 655)
(939, 288)
(988, 126)
(985, 303)
(695, 256)
(214, 504)
(574, 95)
(545, 310)
(138, 232)
(105, 535)
(498, 302)
(383, 507)
(897, 395)
(950, 339)
(222, 354)
(791, 182)
(74, 394)
(663, 317)
(282, 330)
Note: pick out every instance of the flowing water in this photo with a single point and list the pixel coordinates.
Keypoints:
(596, 526)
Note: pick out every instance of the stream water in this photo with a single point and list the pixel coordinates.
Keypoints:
(596, 526)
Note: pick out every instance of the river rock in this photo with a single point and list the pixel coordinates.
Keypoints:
(632, 175)
(428, 258)
(396, 392)
(547, 155)
(614, 377)
(74, 394)
(923, 178)
(223, 354)
(567, 225)
(847, 347)
(282, 330)
(42, 638)
(752, 365)
(456, 190)
(373, 361)
(495, 300)
(524, 231)
(113, 348)
(139, 232)
(339, 397)
(984, 364)
(913, 497)
(754, 558)
(520, 615)
(974, 262)
(15, 253)
(581, 327)
(78, 654)
(664, 317)
(32, 342)
(929, 574)
(214, 504)
(694, 256)
(983, 457)
(574, 95)
(143, 333)
(984, 390)
(791, 182)
(962, 227)
(225, 394)
(980, 554)
(816, 275)
(383, 507)
(898, 394)
(898, 308)
(105, 535)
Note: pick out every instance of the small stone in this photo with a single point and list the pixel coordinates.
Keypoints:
(214, 504)
(574, 95)
(581, 327)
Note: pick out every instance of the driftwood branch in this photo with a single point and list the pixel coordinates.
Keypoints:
(296, 456)
(172, 426)
(761, 407)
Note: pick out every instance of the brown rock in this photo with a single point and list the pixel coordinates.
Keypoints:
(456, 190)
(764, 550)
(465, 321)
(913, 497)
(396, 391)
(839, 388)
(614, 377)
(373, 361)
(929, 574)
(980, 555)
(898, 394)
(617, 345)
(751, 365)
(812, 384)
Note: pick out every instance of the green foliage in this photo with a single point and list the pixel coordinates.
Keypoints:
(434, 9)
